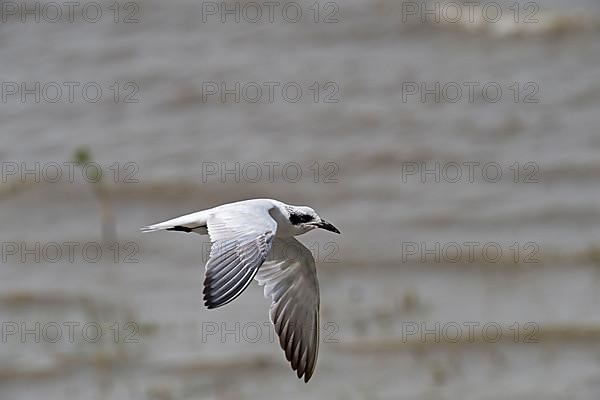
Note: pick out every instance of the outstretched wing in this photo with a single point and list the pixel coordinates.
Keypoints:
(290, 279)
(241, 239)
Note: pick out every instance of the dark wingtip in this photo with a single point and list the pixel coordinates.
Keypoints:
(179, 228)
(307, 377)
(211, 305)
(208, 301)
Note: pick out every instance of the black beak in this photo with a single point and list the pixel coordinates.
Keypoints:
(327, 226)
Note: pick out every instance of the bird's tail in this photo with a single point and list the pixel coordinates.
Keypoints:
(184, 223)
(156, 227)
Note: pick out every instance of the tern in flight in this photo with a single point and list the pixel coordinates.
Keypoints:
(252, 239)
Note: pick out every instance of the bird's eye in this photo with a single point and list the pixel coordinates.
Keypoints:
(297, 219)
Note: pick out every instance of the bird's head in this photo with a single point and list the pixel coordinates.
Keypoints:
(306, 219)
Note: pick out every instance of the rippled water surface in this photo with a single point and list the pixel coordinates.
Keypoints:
(363, 163)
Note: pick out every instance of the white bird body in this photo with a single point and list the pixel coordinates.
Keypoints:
(200, 218)
(243, 235)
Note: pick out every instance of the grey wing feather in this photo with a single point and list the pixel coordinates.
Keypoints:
(241, 240)
(292, 285)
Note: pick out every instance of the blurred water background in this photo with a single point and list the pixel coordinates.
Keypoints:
(365, 147)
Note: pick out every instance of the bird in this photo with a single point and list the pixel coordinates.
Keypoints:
(255, 238)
